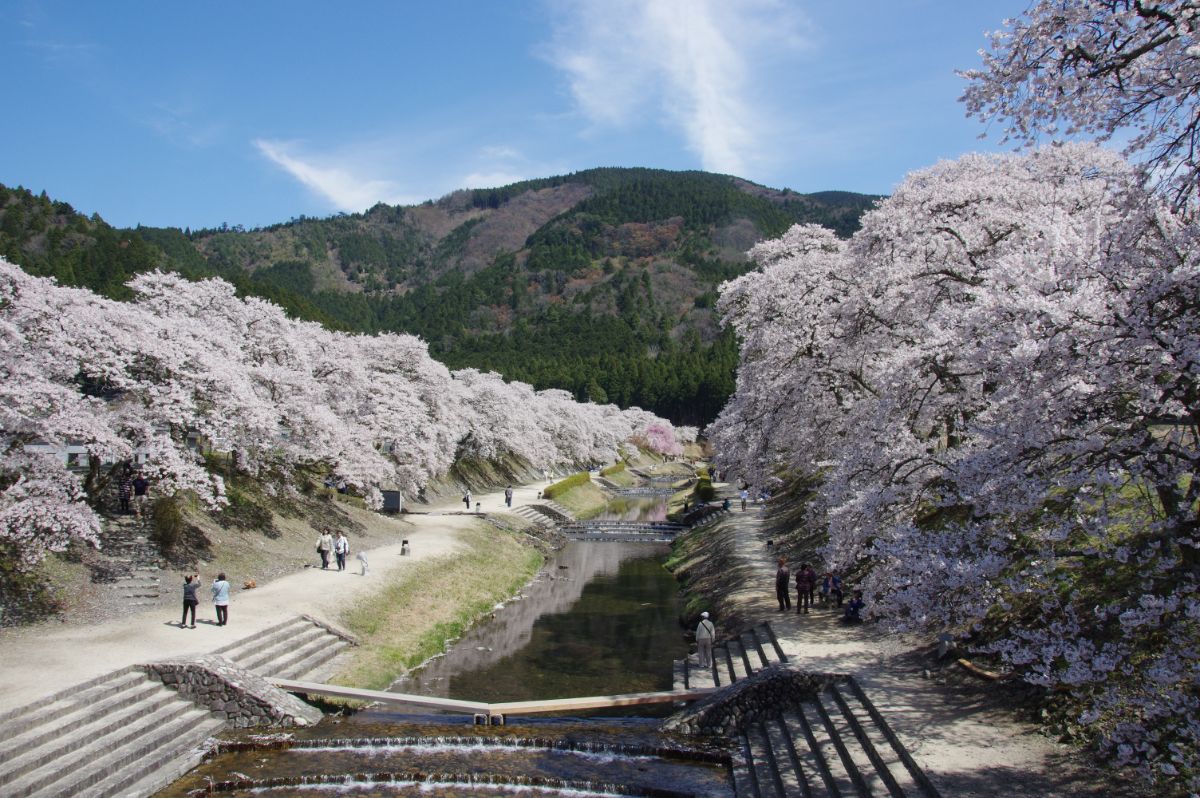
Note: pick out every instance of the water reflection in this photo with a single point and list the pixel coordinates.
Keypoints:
(601, 618)
(648, 509)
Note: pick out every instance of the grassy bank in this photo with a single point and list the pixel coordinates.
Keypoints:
(411, 619)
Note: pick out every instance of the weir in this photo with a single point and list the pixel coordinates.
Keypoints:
(541, 706)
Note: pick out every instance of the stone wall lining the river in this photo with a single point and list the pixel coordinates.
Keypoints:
(241, 697)
(763, 695)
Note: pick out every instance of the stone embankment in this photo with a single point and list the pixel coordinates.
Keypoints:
(134, 731)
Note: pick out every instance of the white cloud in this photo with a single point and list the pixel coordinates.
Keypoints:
(692, 61)
(337, 178)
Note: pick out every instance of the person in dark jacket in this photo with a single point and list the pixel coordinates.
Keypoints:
(806, 584)
(783, 590)
(190, 585)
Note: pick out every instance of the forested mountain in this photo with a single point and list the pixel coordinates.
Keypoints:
(600, 282)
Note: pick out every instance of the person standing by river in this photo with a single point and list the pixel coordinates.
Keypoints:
(783, 588)
(705, 631)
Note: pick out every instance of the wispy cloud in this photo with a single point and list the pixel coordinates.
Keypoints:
(691, 63)
(338, 177)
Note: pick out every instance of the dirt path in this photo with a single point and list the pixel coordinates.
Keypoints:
(962, 732)
(36, 661)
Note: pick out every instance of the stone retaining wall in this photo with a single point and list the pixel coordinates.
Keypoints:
(758, 697)
(239, 696)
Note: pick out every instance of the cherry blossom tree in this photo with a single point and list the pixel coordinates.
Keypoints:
(996, 379)
(188, 359)
(1110, 68)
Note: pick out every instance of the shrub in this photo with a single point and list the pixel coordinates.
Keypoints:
(564, 485)
(167, 514)
(704, 490)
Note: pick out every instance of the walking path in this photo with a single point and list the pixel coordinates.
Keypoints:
(44, 659)
(967, 742)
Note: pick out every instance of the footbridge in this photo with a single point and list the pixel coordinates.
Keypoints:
(492, 713)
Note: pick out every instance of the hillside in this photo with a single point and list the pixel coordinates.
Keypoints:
(600, 282)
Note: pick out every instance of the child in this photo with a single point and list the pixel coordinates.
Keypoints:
(362, 560)
(854, 608)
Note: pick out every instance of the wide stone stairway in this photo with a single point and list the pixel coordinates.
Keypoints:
(127, 734)
(834, 744)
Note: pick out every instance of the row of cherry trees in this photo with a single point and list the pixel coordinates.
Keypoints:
(997, 380)
(191, 357)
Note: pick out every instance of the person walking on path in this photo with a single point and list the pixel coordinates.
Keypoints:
(341, 547)
(220, 594)
(324, 547)
(124, 493)
(467, 499)
(141, 493)
(508, 494)
(806, 583)
(745, 495)
(190, 585)
(783, 590)
(362, 560)
(705, 631)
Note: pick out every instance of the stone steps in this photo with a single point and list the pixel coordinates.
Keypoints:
(99, 737)
(734, 658)
(295, 649)
(835, 744)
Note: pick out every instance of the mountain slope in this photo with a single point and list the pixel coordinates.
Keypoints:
(600, 282)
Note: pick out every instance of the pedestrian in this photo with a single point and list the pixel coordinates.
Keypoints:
(341, 547)
(141, 493)
(508, 494)
(806, 583)
(220, 594)
(826, 587)
(854, 608)
(325, 547)
(705, 631)
(124, 493)
(191, 584)
(362, 560)
(835, 588)
(783, 590)
(467, 499)
(745, 495)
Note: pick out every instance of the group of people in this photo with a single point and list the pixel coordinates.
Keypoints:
(338, 548)
(220, 599)
(806, 591)
(133, 491)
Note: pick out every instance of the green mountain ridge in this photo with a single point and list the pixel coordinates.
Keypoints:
(600, 282)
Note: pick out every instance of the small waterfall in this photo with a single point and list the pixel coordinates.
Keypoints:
(343, 783)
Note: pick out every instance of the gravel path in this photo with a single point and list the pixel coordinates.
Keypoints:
(39, 660)
(959, 729)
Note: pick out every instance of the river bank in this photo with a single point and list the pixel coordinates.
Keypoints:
(972, 737)
(45, 658)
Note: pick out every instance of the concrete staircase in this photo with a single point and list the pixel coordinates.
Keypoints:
(543, 512)
(122, 734)
(836, 744)
(128, 735)
(299, 648)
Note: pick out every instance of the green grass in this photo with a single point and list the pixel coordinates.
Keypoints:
(410, 619)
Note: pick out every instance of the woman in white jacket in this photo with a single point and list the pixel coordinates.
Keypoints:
(220, 594)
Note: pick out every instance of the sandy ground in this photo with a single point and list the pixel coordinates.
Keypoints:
(963, 732)
(37, 661)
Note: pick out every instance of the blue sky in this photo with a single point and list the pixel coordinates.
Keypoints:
(194, 114)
